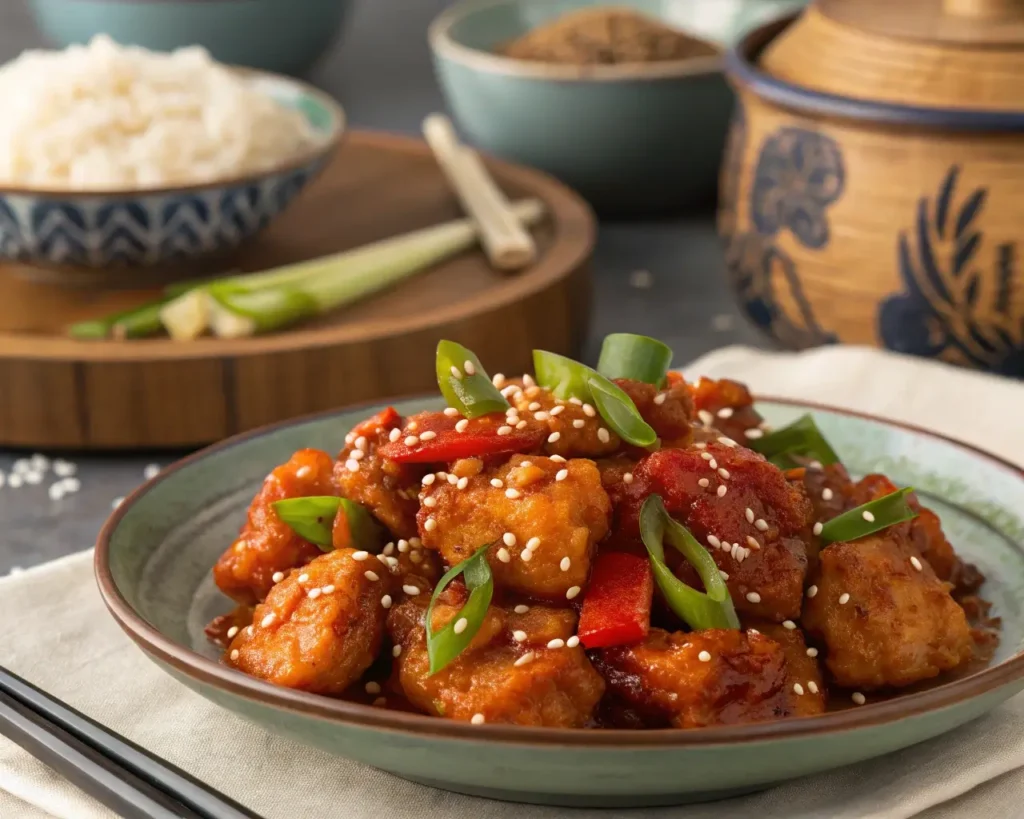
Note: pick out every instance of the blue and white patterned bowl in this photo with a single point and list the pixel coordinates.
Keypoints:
(154, 228)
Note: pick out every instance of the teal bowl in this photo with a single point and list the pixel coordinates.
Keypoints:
(634, 140)
(153, 563)
(285, 36)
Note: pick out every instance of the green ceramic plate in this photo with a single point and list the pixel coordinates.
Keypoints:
(153, 564)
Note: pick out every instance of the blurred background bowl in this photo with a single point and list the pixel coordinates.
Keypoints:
(286, 36)
(105, 237)
(633, 139)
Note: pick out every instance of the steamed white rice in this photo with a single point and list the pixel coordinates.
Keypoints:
(103, 116)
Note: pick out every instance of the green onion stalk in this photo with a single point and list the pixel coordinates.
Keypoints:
(464, 382)
(313, 518)
(445, 645)
(869, 518)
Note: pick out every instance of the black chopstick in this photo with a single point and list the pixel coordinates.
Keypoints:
(117, 772)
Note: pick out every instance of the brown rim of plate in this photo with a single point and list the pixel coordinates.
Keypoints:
(444, 45)
(207, 671)
(320, 150)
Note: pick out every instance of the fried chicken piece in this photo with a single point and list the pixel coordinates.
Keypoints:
(320, 628)
(224, 627)
(727, 406)
(387, 489)
(885, 617)
(267, 545)
(802, 668)
(713, 677)
(668, 411)
(543, 516)
(760, 511)
(508, 674)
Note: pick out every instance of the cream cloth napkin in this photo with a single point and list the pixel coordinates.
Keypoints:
(58, 635)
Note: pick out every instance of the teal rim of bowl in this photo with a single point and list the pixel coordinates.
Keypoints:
(443, 44)
(323, 113)
(209, 672)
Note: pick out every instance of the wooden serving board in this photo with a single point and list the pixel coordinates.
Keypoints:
(58, 392)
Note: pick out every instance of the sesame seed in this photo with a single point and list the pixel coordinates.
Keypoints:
(521, 425)
(394, 435)
(512, 494)
(528, 381)
(372, 688)
(462, 483)
(754, 433)
(722, 490)
(725, 575)
(565, 564)
(521, 609)
(534, 406)
(553, 437)
(562, 474)
(56, 491)
(713, 463)
(527, 657)
(659, 399)
(232, 631)
(753, 631)
(812, 590)
(761, 525)
(519, 636)
(753, 597)
(558, 459)
(248, 631)
(412, 591)
(749, 513)
(726, 441)
(411, 440)
(352, 465)
(461, 625)
(64, 469)
(498, 379)
(556, 643)
(303, 472)
(428, 480)
(460, 426)
(723, 472)
(350, 438)
(313, 594)
(817, 528)
(789, 624)
(497, 483)
(706, 418)
(389, 549)
(305, 577)
(573, 591)
(714, 541)
(452, 479)
(700, 445)
(277, 577)
(867, 516)
(429, 524)
(707, 456)
(576, 401)
(533, 543)
(328, 589)
(725, 412)
(371, 576)
(526, 555)
(508, 539)
(456, 372)
(504, 430)
(579, 423)
(916, 563)
(503, 555)
(451, 412)
(812, 652)
(14, 481)
(572, 642)
(414, 542)
(234, 654)
(844, 598)
(355, 455)
(589, 411)
(554, 412)
(396, 651)
(752, 543)
(268, 620)
(477, 719)
(858, 698)
(403, 546)
(385, 601)
(827, 494)
(812, 686)
(469, 367)
(603, 435)
(704, 482)
(798, 689)
(150, 472)
(704, 657)
(429, 435)
(540, 416)
(509, 390)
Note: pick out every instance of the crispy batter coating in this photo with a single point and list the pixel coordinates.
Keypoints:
(320, 628)
(266, 544)
(561, 518)
(552, 687)
(760, 511)
(729, 407)
(802, 669)
(387, 489)
(884, 621)
(575, 427)
(714, 677)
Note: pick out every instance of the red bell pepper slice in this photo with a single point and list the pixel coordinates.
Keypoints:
(385, 419)
(617, 608)
(479, 438)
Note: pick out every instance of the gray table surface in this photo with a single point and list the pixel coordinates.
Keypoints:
(381, 73)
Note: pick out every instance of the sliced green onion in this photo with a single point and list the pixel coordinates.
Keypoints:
(802, 437)
(466, 388)
(570, 379)
(639, 358)
(313, 519)
(445, 645)
(712, 608)
(869, 518)
(136, 323)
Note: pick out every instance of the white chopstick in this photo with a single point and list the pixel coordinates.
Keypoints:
(507, 243)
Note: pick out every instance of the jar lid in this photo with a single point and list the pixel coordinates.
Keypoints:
(945, 54)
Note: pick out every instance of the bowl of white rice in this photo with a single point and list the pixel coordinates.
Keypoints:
(116, 156)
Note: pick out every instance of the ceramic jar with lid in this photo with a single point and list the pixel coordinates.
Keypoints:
(873, 186)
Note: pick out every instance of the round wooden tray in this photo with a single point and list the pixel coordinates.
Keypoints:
(58, 392)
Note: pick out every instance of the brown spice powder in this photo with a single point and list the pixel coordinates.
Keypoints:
(606, 35)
